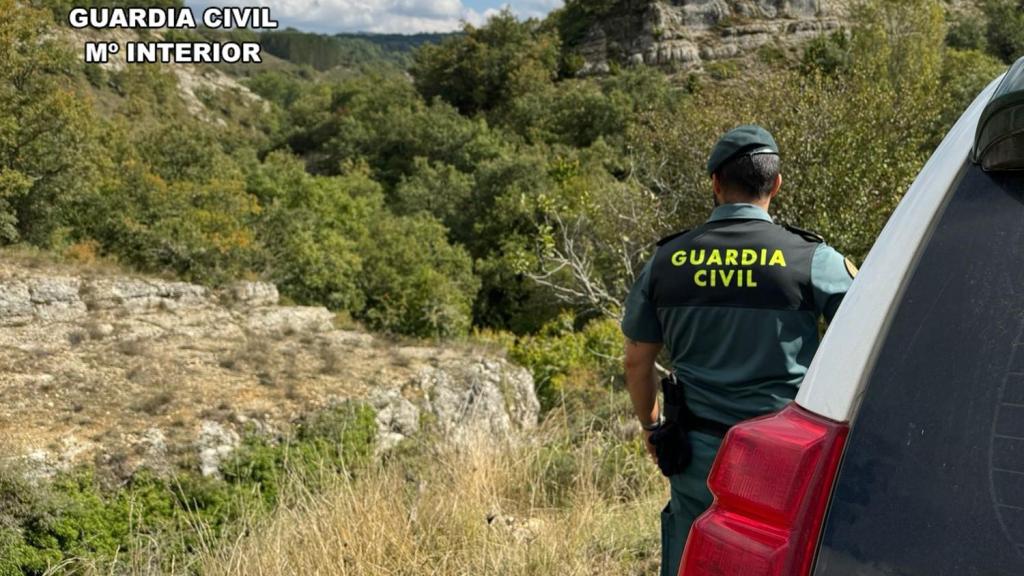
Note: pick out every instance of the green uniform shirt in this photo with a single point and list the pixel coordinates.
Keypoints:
(736, 303)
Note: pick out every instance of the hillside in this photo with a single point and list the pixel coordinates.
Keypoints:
(324, 52)
(129, 372)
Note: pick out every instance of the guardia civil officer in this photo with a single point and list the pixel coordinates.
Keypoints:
(736, 302)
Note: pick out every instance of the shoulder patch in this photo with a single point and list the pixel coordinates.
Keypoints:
(805, 234)
(670, 237)
(851, 269)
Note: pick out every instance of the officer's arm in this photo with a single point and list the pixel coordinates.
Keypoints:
(641, 379)
(831, 275)
(642, 329)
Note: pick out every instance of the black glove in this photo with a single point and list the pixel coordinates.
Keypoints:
(672, 446)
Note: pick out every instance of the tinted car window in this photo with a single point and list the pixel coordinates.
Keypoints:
(933, 477)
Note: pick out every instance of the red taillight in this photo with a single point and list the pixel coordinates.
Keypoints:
(772, 480)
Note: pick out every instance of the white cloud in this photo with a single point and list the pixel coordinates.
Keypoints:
(430, 8)
(390, 16)
(536, 8)
(330, 16)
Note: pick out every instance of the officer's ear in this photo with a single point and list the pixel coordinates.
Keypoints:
(716, 187)
(776, 186)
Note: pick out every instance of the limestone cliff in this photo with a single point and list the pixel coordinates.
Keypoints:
(691, 33)
(129, 371)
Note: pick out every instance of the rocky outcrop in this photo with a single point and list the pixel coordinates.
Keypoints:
(487, 398)
(692, 33)
(128, 372)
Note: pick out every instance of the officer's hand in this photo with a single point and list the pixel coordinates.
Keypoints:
(650, 447)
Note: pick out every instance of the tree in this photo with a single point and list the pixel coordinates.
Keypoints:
(199, 230)
(331, 241)
(312, 229)
(828, 54)
(438, 189)
(415, 282)
(1005, 30)
(46, 129)
(488, 67)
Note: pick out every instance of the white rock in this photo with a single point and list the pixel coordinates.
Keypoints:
(215, 443)
(397, 418)
(254, 293)
(291, 319)
(15, 303)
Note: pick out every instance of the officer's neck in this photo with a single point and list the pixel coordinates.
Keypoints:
(763, 204)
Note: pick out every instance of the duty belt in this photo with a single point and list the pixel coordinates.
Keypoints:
(676, 410)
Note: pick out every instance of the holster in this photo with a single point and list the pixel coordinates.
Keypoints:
(671, 441)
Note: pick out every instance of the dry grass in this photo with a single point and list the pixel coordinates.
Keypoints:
(568, 501)
(80, 258)
(540, 508)
(256, 354)
(155, 404)
(332, 359)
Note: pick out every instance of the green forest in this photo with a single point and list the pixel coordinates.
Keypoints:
(461, 187)
(483, 187)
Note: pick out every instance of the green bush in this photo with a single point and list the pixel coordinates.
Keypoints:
(576, 17)
(277, 86)
(438, 189)
(965, 73)
(1005, 29)
(415, 282)
(77, 518)
(967, 31)
(311, 229)
(828, 54)
(570, 365)
(488, 67)
(331, 241)
(337, 440)
(201, 231)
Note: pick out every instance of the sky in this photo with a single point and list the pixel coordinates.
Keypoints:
(390, 16)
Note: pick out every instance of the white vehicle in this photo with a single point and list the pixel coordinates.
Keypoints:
(903, 454)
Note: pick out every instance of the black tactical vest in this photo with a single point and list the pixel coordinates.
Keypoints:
(736, 263)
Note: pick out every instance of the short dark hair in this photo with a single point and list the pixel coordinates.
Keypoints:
(753, 176)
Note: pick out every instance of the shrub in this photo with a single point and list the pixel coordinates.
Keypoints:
(79, 519)
(1005, 29)
(570, 501)
(569, 365)
(415, 282)
(828, 54)
(311, 229)
(967, 31)
(176, 211)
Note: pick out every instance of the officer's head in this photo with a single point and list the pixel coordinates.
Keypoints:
(744, 166)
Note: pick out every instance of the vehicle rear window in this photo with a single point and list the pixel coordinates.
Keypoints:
(933, 478)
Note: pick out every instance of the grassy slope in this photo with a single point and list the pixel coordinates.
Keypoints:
(586, 506)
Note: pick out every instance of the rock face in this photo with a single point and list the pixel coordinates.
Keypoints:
(127, 372)
(692, 33)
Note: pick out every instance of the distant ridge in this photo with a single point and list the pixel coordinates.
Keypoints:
(351, 49)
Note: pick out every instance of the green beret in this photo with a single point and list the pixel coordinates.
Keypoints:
(747, 140)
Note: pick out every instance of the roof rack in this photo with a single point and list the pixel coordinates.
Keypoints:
(999, 142)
